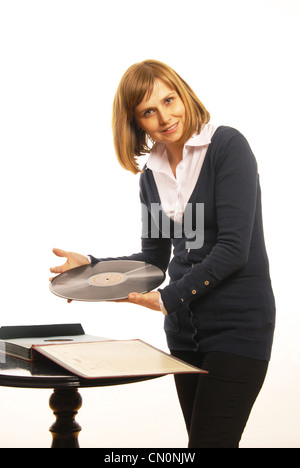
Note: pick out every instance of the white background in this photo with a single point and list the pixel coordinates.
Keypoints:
(61, 186)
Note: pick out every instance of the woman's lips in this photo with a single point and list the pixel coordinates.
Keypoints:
(171, 129)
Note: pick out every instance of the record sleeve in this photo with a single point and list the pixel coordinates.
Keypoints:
(114, 359)
(107, 281)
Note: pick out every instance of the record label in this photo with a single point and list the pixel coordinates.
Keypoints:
(107, 281)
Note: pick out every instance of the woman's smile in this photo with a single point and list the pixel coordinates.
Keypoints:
(171, 129)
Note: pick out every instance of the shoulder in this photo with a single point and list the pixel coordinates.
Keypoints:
(231, 145)
(224, 135)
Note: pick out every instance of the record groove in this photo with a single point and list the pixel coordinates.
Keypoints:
(107, 281)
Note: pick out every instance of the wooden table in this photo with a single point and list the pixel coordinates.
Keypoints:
(65, 400)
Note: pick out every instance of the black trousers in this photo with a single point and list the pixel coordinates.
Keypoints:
(216, 406)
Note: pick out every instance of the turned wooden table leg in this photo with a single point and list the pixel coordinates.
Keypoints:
(65, 404)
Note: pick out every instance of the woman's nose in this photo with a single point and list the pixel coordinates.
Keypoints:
(164, 117)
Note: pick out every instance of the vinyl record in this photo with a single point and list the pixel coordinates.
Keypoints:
(107, 281)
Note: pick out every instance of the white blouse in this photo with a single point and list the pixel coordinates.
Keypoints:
(174, 191)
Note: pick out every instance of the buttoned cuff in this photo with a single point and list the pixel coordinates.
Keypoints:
(174, 297)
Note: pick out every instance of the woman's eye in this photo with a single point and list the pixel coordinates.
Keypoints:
(169, 100)
(148, 113)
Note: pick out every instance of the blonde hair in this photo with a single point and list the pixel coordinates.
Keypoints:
(137, 82)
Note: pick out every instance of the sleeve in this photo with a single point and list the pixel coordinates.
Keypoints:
(236, 182)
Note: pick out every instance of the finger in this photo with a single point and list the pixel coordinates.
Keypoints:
(58, 269)
(60, 252)
(137, 298)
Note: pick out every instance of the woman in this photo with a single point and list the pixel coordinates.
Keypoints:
(219, 306)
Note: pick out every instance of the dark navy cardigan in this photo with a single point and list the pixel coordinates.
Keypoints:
(220, 295)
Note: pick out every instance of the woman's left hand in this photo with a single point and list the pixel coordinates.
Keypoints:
(149, 300)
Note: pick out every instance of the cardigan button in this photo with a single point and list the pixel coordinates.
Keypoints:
(194, 291)
(206, 283)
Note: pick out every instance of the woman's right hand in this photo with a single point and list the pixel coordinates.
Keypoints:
(73, 260)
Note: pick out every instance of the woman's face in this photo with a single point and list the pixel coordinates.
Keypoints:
(162, 116)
